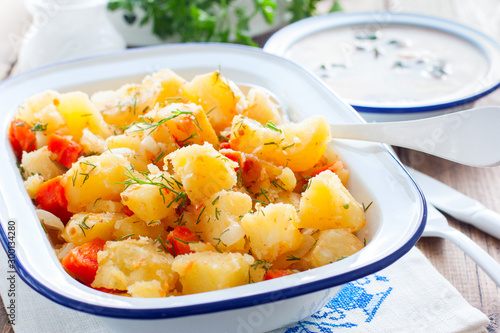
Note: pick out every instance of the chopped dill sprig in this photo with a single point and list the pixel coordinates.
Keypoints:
(273, 127)
(122, 238)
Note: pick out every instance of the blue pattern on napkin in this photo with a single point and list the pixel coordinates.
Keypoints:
(361, 298)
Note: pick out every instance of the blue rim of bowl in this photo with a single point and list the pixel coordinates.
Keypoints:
(410, 109)
(218, 306)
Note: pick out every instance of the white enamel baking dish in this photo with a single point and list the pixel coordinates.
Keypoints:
(395, 220)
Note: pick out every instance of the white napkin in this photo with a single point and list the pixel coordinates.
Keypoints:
(409, 296)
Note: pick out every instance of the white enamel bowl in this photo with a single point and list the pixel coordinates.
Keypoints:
(395, 220)
(483, 83)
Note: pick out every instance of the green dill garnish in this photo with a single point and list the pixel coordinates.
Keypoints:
(183, 241)
(367, 36)
(87, 175)
(346, 206)
(158, 181)
(262, 263)
(223, 138)
(275, 183)
(264, 193)
(181, 196)
(219, 241)
(217, 212)
(366, 208)
(39, 127)
(159, 157)
(215, 200)
(96, 200)
(172, 99)
(364, 241)
(210, 111)
(258, 201)
(122, 238)
(199, 216)
(158, 239)
(341, 258)
(292, 258)
(73, 178)
(273, 127)
(289, 146)
(83, 225)
(186, 140)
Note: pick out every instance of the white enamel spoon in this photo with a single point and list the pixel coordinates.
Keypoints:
(470, 137)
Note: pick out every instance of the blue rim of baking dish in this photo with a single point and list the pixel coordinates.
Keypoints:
(223, 305)
(327, 21)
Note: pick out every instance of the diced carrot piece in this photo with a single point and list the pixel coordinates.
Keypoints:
(50, 196)
(82, 260)
(225, 145)
(127, 211)
(21, 137)
(66, 150)
(178, 241)
(333, 167)
(276, 273)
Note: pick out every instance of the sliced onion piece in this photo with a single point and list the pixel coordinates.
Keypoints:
(49, 220)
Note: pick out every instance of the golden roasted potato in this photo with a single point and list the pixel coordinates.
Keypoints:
(154, 201)
(332, 245)
(84, 227)
(187, 123)
(220, 98)
(39, 162)
(272, 231)
(95, 178)
(296, 146)
(203, 171)
(80, 113)
(218, 221)
(327, 204)
(261, 107)
(171, 84)
(133, 227)
(207, 271)
(125, 263)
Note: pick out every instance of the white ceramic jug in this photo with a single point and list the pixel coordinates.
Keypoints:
(66, 29)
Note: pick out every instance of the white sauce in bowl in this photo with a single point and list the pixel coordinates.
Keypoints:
(397, 65)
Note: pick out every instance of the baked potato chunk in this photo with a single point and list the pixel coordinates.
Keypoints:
(154, 201)
(220, 98)
(93, 178)
(332, 245)
(123, 264)
(133, 227)
(40, 109)
(187, 123)
(170, 83)
(218, 223)
(207, 271)
(327, 204)
(203, 171)
(272, 231)
(80, 113)
(296, 146)
(262, 108)
(123, 106)
(84, 227)
(39, 162)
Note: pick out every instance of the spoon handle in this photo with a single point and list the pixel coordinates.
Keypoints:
(481, 257)
(470, 137)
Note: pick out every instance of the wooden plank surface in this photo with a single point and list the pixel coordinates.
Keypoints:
(481, 184)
